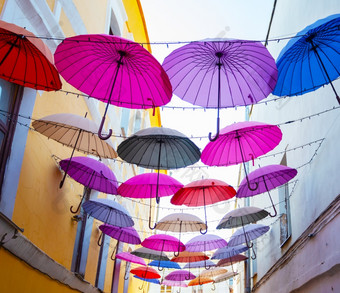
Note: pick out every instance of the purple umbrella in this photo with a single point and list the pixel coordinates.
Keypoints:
(246, 234)
(163, 242)
(216, 73)
(266, 178)
(241, 142)
(91, 173)
(128, 257)
(180, 275)
(121, 234)
(200, 264)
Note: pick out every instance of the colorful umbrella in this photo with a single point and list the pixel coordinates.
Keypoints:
(186, 256)
(121, 234)
(246, 234)
(129, 257)
(150, 254)
(225, 277)
(91, 173)
(241, 216)
(205, 243)
(212, 273)
(200, 281)
(180, 275)
(229, 251)
(108, 211)
(241, 142)
(170, 283)
(113, 70)
(266, 178)
(26, 60)
(76, 132)
(311, 59)
(154, 281)
(200, 264)
(164, 264)
(145, 272)
(231, 260)
(163, 242)
(203, 192)
(159, 148)
(218, 73)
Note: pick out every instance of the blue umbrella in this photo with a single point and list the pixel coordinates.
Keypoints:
(311, 59)
(229, 251)
(200, 264)
(108, 211)
(154, 281)
(165, 264)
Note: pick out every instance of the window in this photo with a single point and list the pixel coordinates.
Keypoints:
(10, 99)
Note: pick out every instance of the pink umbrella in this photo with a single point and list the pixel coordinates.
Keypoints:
(203, 192)
(171, 283)
(217, 73)
(266, 178)
(91, 173)
(113, 70)
(180, 275)
(163, 242)
(128, 257)
(241, 142)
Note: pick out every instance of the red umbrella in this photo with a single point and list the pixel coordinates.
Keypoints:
(145, 272)
(203, 192)
(26, 60)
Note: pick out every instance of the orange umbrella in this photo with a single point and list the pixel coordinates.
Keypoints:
(186, 256)
(212, 273)
(26, 60)
(200, 281)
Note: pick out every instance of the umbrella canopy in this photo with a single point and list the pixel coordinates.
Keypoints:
(145, 273)
(165, 264)
(180, 222)
(203, 192)
(113, 70)
(218, 73)
(231, 260)
(145, 186)
(163, 242)
(241, 216)
(200, 264)
(171, 283)
(154, 281)
(76, 132)
(205, 243)
(229, 251)
(266, 179)
(212, 273)
(127, 256)
(180, 275)
(187, 256)
(225, 277)
(26, 60)
(150, 254)
(247, 233)
(108, 211)
(200, 281)
(122, 234)
(311, 59)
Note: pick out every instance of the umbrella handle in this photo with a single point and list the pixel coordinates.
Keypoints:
(187, 278)
(160, 268)
(256, 184)
(151, 228)
(254, 254)
(213, 287)
(271, 200)
(217, 132)
(176, 253)
(100, 130)
(153, 106)
(100, 240)
(78, 208)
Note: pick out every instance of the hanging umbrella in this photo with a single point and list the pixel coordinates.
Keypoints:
(266, 178)
(76, 132)
(241, 142)
(225, 277)
(241, 216)
(220, 73)
(113, 70)
(161, 149)
(246, 234)
(154, 281)
(200, 264)
(203, 192)
(108, 211)
(214, 272)
(164, 264)
(200, 281)
(129, 257)
(229, 251)
(91, 173)
(180, 275)
(224, 262)
(180, 222)
(150, 254)
(170, 283)
(121, 234)
(145, 272)
(311, 59)
(26, 60)
(186, 256)
(163, 242)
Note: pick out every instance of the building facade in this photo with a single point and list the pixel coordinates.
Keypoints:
(39, 237)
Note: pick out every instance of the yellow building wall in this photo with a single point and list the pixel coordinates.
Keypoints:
(25, 277)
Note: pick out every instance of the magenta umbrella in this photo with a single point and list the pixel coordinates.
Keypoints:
(113, 70)
(266, 178)
(128, 257)
(220, 73)
(241, 142)
(180, 275)
(163, 242)
(91, 173)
